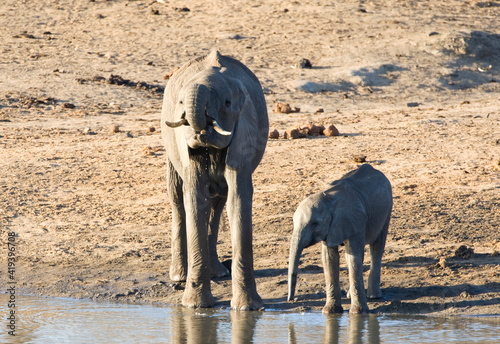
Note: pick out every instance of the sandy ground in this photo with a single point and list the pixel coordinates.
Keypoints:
(411, 85)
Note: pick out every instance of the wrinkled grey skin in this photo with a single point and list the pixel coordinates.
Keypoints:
(214, 127)
(354, 211)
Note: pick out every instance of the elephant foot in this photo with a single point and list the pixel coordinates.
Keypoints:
(197, 295)
(331, 307)
(178, 274)
(217, 270)
(377, 294)
(247, 302)
(358, 309)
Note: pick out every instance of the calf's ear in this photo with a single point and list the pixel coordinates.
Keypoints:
(346, 223)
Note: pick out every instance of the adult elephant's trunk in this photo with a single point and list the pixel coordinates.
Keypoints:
(293, 264)
(196, 104)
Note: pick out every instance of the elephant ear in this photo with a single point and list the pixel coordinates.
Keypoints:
(243, 146)
(349, 220)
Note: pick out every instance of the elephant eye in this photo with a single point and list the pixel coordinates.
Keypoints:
(228, 103)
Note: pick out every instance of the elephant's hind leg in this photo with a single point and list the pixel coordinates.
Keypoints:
(216, 267)
(376, 252)
(178, 266)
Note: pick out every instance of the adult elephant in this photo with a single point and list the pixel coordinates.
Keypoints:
(215, 128)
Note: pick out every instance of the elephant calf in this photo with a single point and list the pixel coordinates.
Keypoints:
(354, 210)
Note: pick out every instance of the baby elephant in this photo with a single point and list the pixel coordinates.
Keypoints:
(354, 210)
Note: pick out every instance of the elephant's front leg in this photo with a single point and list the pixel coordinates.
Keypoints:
(239, 208)
(354, 257)
(197, 206)
(332, 271)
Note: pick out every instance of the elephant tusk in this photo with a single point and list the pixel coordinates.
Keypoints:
(183, 121)
(218, 129)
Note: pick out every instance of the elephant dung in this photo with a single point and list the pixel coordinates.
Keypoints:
(313, 129)
(285, 108)
(274, 134)
(292, 133)
(331, 130)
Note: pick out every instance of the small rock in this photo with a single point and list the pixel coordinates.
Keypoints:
(413, 104)
(303, 64)
(177, 286)
(114, 129)
(148, 151)
(169, 75)
(88, 131)
(69, 106)
(359, 159)
(331, 130)
(464, 295)
(274, 134)
(464, 252)
(496, 164)
(319, 110)
(441, 263)
(151, 129)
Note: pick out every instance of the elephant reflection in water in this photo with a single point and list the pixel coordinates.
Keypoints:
(193, 326)
(358, 326)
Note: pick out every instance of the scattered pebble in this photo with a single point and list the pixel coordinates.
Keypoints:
(114, 129)
(151, 129)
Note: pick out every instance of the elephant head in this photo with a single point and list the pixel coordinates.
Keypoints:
(311, 222)
(209, 107)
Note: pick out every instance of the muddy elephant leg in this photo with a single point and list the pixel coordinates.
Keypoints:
(216, 267)
(178, 265)
(239, 208)
(331, 266)
(197, 206)
(354, 257)
(376, 252)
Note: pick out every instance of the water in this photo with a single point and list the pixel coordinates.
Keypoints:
(59, 320)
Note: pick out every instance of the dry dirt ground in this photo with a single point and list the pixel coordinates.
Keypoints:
(411, 85)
